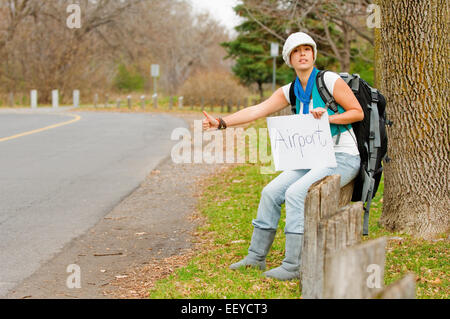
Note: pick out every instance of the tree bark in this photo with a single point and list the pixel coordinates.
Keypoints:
(414, 73)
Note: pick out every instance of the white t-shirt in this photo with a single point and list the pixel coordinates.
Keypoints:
(347, 142)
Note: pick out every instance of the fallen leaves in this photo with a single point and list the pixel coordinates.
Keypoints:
(138, 282)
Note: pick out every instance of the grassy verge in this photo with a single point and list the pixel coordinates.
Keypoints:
(229, 204)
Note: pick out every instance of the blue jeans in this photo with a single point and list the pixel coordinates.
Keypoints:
(292, 187)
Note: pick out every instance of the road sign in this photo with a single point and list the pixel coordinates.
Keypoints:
(155, 70)
(273, 49)
(274, 55)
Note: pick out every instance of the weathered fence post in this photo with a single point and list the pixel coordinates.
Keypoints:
(355, 272)
(404, 288)
(180, 102)
(118, 103)
(107, 100)
(143, 102)
(155, 101)
(322, 201)
(335, 264)
(11, 99)
(129, 101)
(95, 100)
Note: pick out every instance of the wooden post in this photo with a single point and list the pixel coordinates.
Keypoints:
(202, 103)
(335, 264)
(107, 100)
(180, 102)
(155, 101)
(118, 103)
(322, 202)
(356, 272)
(129, 101)
(404, 288)
(11, 99)
(143, 102)
(95, 100)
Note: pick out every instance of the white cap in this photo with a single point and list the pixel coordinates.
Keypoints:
(293, 41)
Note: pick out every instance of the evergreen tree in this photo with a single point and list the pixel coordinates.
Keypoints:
(251, 50)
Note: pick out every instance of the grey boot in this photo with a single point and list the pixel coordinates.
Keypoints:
(259, 247)
(290, 267)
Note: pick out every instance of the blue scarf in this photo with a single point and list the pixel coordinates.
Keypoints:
(302, 96)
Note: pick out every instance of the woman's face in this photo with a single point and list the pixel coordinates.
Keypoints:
(302, 58)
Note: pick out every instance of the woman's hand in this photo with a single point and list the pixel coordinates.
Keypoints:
(209, 122)
(318, 112)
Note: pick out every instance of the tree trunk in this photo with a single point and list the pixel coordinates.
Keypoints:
(377, 58)
(261, 91)
(414, 73)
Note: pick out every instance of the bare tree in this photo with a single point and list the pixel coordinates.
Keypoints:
(335, 25)
(176, 39)
(39, 50)
(13, 13)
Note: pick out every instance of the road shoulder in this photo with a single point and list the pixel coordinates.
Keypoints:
(144, 238)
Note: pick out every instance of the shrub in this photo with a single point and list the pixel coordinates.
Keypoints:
(213, 86)
(128, 79)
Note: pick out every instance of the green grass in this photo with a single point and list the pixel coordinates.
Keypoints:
(230, 203)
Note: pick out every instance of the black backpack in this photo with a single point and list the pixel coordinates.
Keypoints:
(370, 134)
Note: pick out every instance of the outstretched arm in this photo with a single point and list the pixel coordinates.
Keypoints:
(273, 104)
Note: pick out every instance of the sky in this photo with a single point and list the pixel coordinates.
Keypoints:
(221, 10)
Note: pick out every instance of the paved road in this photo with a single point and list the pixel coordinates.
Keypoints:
(57, 183)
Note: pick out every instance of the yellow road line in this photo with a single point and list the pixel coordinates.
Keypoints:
(76, 118)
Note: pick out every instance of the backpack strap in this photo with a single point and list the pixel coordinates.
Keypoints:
(374, 145)
(326, 96)
(324, 93)
(292, 98)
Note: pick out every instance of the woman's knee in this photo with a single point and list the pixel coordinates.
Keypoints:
(294, 194)
(348, 167)
(270, 192)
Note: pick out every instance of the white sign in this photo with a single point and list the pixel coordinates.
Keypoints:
(301, 142)
(273, 49)
(155, 70)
